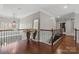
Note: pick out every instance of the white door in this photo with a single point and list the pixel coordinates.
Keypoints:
(35, 26)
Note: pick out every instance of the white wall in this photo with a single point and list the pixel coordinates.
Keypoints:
(76, 25)
(27, 22)
(69, 27)
(46, 22)
(53, 23)
(68, 23)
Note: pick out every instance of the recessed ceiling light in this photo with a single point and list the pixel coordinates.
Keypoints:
(66, 6)
(58, 16)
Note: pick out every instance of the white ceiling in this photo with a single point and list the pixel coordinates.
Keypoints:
(21, 10)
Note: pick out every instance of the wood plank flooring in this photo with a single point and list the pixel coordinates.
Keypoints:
(67, 46)
(22, 47)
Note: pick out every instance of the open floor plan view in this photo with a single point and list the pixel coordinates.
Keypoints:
(39, 28)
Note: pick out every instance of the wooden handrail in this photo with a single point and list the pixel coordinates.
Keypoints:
(11, 30)
(7, 30)
(45, 30)
(30, 30)
(49, 29)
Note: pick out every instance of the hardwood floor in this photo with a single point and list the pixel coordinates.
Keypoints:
(66, 46)
(23, 47)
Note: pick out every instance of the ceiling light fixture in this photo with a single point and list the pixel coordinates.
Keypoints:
(65, 6)
(58, 16)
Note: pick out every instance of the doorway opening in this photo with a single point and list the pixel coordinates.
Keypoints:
(63, 27)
